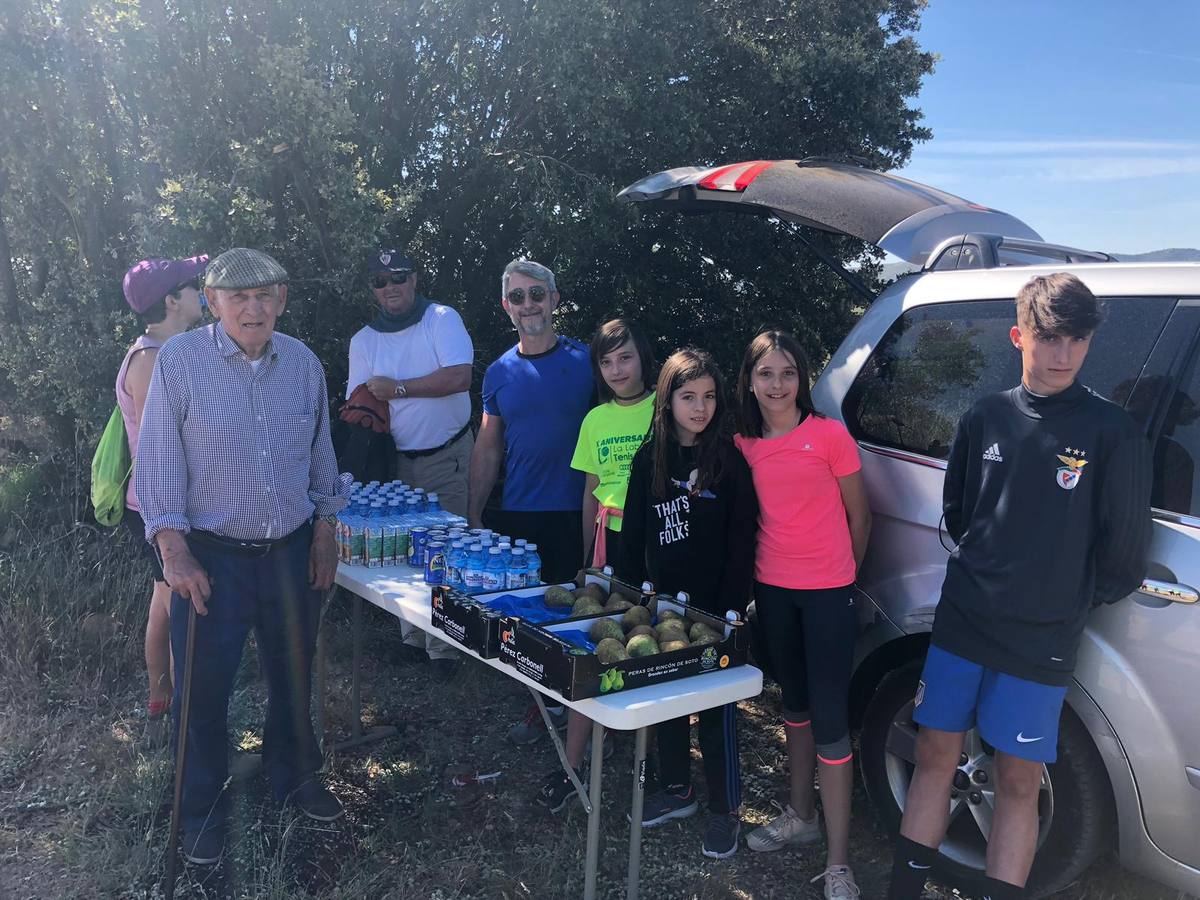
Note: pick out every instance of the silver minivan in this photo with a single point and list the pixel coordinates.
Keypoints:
(1128, 773)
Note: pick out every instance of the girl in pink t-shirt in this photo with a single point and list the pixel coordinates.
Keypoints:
(812, 531)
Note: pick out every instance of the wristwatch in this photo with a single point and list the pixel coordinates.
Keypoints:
(331, 521)
(401, 390)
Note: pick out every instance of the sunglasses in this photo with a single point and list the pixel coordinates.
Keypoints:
(197, 282)
(516, 296)
(382, 281)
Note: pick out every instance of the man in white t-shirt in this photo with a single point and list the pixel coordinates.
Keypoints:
(417, 356)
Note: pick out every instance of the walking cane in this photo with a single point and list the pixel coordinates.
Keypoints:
(181, 751)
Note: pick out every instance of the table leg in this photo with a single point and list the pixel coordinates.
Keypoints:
(356, 670)
(593, 828)
(322, 641)
(562, 752)
(635, 813)
(357, 735)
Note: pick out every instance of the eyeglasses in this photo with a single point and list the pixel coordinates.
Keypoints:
(537, 294)
(196, 282)
(382, 281)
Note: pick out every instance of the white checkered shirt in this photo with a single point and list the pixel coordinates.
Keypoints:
(226, 449)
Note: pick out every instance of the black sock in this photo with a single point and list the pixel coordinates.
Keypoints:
(911, 865)
(995, 889)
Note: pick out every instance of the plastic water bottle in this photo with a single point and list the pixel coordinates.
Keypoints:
(374, 534)
(456, 560)
(391, 533)
(533, 566)
(514, 574)
(520, 542)
(493, 571)
(355, 536)
(434, 509)
(473, 573)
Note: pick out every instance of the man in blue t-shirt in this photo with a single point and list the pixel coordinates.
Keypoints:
(534, 399)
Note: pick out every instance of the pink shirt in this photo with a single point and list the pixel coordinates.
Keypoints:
(128, 412)
(803, 537)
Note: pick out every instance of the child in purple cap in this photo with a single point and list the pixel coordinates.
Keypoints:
(165, 293)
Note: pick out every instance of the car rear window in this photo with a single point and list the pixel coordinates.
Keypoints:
(936, 360)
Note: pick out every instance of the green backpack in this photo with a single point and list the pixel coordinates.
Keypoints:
(111, 467)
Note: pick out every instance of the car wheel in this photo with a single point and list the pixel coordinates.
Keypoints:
(1075, 809)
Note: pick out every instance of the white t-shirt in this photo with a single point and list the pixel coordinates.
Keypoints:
(439, 340)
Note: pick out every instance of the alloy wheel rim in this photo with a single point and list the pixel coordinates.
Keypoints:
(973, 800)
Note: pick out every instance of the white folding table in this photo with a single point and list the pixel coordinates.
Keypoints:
(401, 591)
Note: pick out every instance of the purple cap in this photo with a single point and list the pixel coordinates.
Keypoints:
(152, 279)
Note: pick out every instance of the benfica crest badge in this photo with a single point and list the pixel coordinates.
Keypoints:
(1071, 470)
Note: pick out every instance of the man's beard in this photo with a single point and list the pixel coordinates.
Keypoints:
(532, 325)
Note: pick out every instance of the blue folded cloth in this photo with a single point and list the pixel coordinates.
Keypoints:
(576, 636)
(531, 609)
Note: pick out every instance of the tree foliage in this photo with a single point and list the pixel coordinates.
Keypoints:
(472, 131)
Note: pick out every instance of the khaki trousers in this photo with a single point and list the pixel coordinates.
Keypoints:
(443, 473)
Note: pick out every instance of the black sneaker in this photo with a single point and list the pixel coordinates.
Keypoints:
(674, 802)
(556, 792)
(203, 846)
(721, 835)
(314, 800)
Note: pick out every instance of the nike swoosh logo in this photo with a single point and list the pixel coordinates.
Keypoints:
(913, 865)
(1021, 739)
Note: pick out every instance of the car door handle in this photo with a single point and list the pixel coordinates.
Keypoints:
(1166, 590)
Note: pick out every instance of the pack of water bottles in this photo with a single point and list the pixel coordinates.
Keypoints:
(396, 525)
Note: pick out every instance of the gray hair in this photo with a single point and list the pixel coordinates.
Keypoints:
(530, 268)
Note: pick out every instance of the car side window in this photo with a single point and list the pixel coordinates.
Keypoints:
(1176, 487)
(936, 360)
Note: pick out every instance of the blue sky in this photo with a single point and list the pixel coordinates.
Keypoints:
(1080, 118)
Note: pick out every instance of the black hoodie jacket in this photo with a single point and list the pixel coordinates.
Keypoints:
(1049, 501)
(701, 542)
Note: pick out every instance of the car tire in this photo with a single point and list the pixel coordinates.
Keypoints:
(1077, 810)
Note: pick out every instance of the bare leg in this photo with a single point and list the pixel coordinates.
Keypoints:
(158, 644)
(579, 729)
(837, 783)
(802, 763)
(1013, 840)
(928, 803)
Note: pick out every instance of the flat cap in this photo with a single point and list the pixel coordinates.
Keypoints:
(242, 268)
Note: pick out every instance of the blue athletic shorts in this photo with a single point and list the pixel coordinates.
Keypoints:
(1014, 715)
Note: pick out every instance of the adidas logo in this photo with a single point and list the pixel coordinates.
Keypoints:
(992, 454)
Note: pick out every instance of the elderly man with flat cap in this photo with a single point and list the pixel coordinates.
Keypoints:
(416, 356)
(238, 486)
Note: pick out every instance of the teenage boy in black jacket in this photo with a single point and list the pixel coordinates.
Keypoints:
(1047, 494)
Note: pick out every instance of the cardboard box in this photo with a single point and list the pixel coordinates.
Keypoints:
(538, 653)
(467, 618)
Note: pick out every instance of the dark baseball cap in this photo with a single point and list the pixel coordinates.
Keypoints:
(152, 279)
(389, 261)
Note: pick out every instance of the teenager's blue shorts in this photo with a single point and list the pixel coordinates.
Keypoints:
(1014, 715)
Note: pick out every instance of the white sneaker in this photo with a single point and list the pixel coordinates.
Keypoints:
(786, 829)
(839, 883)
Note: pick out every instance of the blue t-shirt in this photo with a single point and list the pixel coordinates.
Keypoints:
(542, 400)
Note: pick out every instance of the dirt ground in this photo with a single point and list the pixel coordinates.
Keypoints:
(84, 807)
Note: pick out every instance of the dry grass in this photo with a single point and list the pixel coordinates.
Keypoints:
(83, 807)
